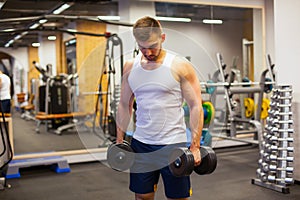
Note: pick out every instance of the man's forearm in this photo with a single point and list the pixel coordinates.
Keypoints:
(196, 125)
(123, 119)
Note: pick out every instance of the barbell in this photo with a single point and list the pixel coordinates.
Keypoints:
(211, 86)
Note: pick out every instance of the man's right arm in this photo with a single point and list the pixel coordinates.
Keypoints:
(125, 105)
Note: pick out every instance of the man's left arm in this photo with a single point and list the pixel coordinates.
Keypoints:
(191, 91)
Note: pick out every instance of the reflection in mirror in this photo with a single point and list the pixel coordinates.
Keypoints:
(201, 41)
(70, 47)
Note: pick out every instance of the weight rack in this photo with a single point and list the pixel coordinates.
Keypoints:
(275, 169)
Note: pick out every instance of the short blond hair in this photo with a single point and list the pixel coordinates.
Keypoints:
(145, 27)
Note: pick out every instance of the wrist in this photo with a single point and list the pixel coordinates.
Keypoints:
(195, 145)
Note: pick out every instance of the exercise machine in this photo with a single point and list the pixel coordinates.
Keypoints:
(55, 105)
(6, 150)
(108, 94)
(235, 123)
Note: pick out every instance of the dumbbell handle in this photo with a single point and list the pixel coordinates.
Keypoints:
(289, 158)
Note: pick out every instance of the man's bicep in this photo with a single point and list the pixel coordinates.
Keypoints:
(126, 92)
(191, 87)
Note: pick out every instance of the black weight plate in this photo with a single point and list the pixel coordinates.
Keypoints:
(208, 161)
(181, 162)
(120, 157)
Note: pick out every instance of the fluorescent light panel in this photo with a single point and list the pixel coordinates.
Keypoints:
(35, 44)
(212, 21)
(61, 9)
(111, 18)
(1, 4)
(174, 19)
(51, 37)
(9, 43)
(42, 21)
(34, 26)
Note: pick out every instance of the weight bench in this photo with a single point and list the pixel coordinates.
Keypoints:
(28, 109)
(40, 117)
(5, 114)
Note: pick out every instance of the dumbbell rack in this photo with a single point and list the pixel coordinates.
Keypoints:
(276, 149)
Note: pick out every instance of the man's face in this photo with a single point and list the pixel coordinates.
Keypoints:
(152, 47)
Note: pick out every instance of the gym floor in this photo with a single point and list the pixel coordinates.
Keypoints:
(94, 180)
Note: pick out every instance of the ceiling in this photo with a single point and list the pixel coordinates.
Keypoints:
(16, 16)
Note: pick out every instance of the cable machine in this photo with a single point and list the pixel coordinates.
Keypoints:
(108, 94)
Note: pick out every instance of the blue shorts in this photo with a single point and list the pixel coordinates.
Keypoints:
(5, 106)
(151, 161)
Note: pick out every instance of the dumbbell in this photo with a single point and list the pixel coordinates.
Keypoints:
(120, 157)
(286, 180)
(182, 161)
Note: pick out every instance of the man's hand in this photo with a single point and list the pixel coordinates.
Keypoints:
(197, 155)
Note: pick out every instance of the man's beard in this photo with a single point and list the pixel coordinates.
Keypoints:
(153, 57)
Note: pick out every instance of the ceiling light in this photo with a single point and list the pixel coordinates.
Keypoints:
(24, 33)
(174, 19)
(70, 42)
(1, 4)
(34, 26)
(8, 30)
(212, 21)
(35, 44)
(61, 9)
(9, 43)
(112, 18)
(52, 37)
(18, 37)
(42, 21)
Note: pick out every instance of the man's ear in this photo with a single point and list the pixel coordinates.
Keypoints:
(163, 37)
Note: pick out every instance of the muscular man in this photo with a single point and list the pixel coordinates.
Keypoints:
(160, 81)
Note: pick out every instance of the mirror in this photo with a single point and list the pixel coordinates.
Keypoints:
(70, 47)
(207, 39)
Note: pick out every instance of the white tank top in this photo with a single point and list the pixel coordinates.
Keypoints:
(5, 89)
(160, 117)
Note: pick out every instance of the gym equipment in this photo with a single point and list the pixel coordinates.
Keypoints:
(249, 107)
(108, 94)
(120, 157)
(265, 106)
(206, 138)
(246, 80)
(182, 162)
(268, 87)
(80, 116)
(209, 112)
(6, 147)
(232, 121)
(211, 86)
(56, 104)
(276, 150)
(210, 89)
(57, 163)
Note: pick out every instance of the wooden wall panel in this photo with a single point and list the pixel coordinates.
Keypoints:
(90, 51)
(60, 55)
(33, 73)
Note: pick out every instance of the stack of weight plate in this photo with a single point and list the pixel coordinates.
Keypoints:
(276, 155)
